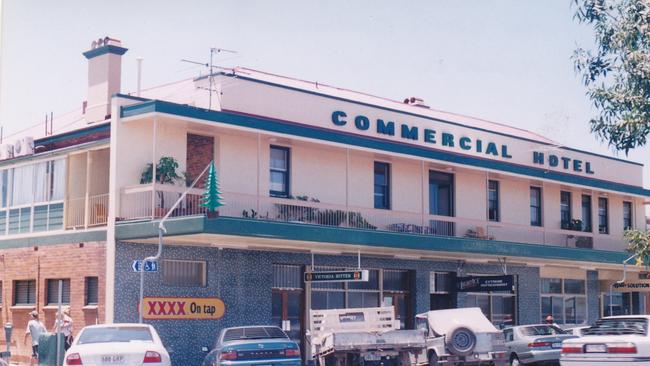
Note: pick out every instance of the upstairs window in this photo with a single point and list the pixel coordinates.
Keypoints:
(382, 185)
(565, 209)
(441, 193)
(535, 206)
(279, 184)
(603, 220)
(627, 215)
(493, 200)
(586, 212)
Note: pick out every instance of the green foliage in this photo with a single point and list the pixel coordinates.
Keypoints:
(617, 72)
(212, 195)
(639, 244)
(165, 171)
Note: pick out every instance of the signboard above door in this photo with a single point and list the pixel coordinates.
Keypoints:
(360, 275)
(485, 283)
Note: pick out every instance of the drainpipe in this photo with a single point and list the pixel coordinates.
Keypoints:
(611, 287)
(161, 231)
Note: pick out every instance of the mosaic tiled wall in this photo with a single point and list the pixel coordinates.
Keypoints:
(243, 279)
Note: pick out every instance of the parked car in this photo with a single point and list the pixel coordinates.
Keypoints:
(616, 340)
(460, 337)
(118, 344)
(254, 345)
(537, 343)
(577, 331)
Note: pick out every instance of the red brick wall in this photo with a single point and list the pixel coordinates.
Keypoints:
(66, 261)
(200, 151)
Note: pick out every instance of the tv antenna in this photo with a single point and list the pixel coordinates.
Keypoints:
(210, 66)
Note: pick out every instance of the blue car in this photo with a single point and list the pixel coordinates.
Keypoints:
(255, 346)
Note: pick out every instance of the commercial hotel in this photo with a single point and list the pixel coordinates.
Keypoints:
(313, 178)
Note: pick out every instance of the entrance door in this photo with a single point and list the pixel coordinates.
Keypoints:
(441, 302)
(287, 312)
(400, 303)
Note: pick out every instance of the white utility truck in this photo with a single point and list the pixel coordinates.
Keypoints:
(371, 337)
(365, 336)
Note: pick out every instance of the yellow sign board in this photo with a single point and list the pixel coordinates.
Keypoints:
(633, 286)
(183, 308)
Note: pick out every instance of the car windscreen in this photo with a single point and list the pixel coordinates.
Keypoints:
(540, 330)
(253, 333)
(619, 326)
(115, 334)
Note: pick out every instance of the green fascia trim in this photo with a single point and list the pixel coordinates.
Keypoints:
(371, 238)
(54, 153)
(132, 97)
(148, 229)
(74, 134)
(296, 129)
(54, 239)
(117, 50)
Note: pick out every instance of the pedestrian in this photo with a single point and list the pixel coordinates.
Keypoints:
(34, 329)
(550, 320)
(64, 323)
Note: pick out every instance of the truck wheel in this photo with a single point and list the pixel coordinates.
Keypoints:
(461, 342)
(433, 359)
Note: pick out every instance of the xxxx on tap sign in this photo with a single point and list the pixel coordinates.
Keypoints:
(183, 308)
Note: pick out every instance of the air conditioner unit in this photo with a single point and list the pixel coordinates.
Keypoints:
(24, 146)
(28, 145)
(6, 151)
(18, 148)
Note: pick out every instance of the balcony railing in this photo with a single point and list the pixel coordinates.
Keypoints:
(84, 212)
(154, 201)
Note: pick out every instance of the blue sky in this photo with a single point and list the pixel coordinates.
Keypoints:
(502, 60)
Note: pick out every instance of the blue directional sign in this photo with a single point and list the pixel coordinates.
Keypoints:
(148, 266)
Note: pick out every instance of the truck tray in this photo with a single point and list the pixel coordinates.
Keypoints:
(394, 340)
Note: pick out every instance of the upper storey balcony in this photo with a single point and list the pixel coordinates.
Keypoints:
(150, 202)
(63, 192)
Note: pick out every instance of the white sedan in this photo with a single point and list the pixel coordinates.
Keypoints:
(614, 340)
(118, 344)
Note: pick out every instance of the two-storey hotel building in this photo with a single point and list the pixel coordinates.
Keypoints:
(313, 178)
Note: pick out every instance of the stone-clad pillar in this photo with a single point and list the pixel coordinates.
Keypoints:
(421, 286)
(593, 293)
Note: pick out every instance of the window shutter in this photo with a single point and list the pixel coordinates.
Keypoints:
(92, 290)
(25, 292)
(53, 292)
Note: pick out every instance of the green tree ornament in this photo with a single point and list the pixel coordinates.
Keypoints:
(212, 196)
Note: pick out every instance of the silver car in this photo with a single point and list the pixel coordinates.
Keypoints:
(537, 344)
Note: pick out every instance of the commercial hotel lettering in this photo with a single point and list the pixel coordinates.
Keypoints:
(464, 143)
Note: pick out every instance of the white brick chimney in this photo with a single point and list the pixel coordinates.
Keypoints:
(104, 77)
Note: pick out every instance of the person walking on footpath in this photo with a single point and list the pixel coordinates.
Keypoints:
(34, 329)
(65, 326)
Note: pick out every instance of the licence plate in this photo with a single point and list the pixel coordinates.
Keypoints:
(595, 348)
(371, 357)
(557, 345)
(113, 359)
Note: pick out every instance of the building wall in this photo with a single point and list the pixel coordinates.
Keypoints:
(72, 261)
(243, 280)
(337, 176)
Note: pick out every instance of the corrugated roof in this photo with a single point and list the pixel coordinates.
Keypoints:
(186, 92)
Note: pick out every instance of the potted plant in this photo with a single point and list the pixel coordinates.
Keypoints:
(576, 225)
(165, 174)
